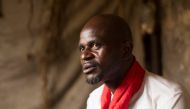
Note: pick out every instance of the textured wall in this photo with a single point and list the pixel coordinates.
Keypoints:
(18, 78)
(176, 41)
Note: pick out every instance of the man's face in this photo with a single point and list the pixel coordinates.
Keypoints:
(99, 55)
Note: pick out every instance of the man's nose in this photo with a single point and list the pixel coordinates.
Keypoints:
(87, 55)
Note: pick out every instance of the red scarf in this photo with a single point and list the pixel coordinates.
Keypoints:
(128, 87)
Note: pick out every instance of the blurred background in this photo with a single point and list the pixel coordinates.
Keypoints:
(39, 56)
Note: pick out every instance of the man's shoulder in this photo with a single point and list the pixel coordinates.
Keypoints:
(158, 92)
(160, 84)
(162, 91)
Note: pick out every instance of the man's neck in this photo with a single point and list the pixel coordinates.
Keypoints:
(113, 84)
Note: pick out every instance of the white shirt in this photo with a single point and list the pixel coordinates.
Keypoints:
(155, 93)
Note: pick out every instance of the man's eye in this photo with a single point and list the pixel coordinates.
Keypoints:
(96, 46)
(81, 48)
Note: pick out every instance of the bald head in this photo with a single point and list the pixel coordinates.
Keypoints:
(105, 48)
(111, 26)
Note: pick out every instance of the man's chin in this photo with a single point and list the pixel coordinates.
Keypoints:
(93, 81)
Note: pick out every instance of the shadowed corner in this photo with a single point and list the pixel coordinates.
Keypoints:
(1, 13)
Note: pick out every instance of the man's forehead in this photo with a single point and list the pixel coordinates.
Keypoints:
(103, 35)
(92, 33)
(85, 32)
(86, 36)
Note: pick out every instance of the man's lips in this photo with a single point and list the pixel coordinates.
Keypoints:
(88, 68)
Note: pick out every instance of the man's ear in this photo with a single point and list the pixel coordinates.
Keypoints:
(127, 48)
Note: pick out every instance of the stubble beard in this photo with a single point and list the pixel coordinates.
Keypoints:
(94, 80)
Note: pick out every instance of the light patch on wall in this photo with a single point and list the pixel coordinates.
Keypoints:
(185, 18)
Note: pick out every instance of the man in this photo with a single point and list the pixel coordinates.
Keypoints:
(106, 56)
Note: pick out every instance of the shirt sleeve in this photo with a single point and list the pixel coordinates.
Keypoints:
(175, 102)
